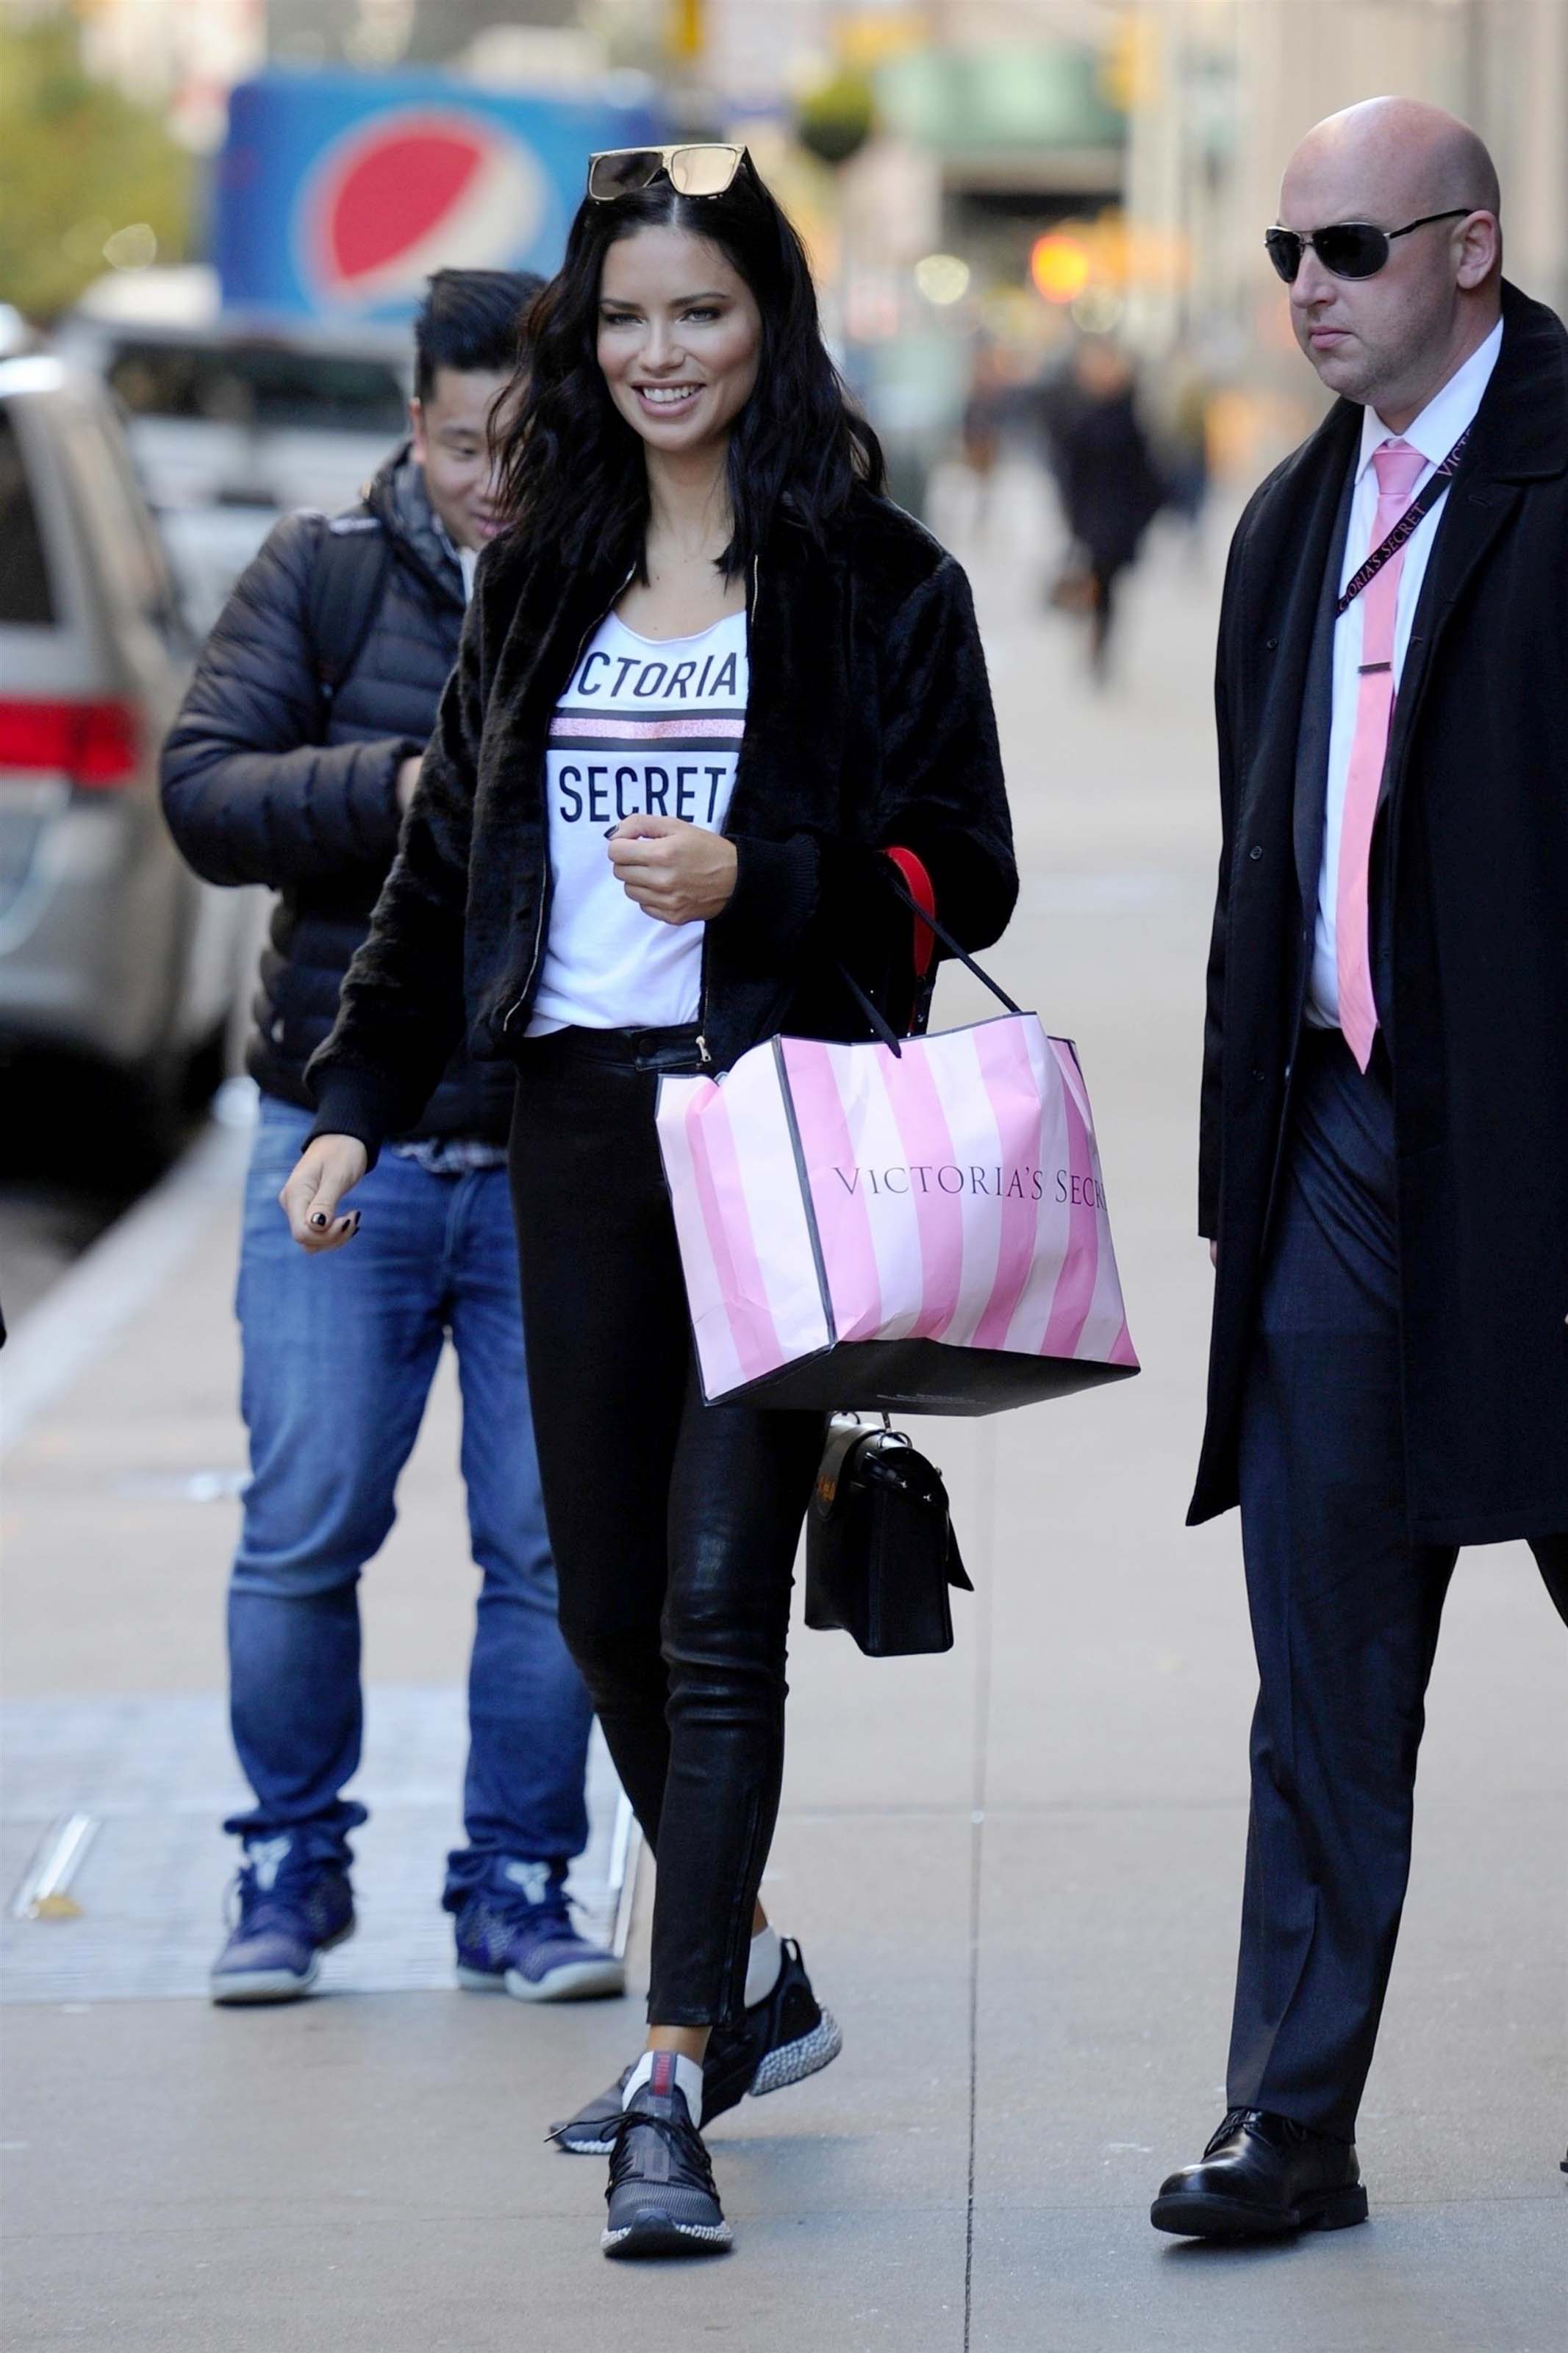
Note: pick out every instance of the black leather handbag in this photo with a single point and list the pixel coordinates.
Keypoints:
(880, 1554)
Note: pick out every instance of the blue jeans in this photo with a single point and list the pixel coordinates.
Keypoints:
(340, 1352)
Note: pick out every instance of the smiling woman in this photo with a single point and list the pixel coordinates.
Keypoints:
(709, 676)
(680, 327)
(678, 357)
(679, 344)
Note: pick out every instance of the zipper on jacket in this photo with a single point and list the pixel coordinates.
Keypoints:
(510, 1015)
(756, 586)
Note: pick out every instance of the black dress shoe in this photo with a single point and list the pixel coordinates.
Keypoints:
(1260, 2176)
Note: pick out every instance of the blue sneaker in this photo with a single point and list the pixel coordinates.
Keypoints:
(524, 1944)
(289, 1913)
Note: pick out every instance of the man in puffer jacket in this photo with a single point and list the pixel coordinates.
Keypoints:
(290, 764)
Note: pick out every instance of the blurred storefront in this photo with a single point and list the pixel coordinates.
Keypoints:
(981, 182)
(1500, 64)
(1143, 139)
(1219, 91)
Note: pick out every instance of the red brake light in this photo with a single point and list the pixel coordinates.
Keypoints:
(94, 743)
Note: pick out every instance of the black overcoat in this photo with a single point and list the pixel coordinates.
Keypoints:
(868, 724)
(1471, 875)
(1109, 489)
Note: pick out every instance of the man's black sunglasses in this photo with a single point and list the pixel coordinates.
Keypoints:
(1348, 249)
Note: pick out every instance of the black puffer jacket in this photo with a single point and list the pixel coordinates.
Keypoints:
(258, 789)
(868, 724)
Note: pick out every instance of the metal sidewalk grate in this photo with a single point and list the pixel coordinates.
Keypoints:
(158, 1775)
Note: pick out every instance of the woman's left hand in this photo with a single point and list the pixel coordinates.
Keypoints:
(676, 873)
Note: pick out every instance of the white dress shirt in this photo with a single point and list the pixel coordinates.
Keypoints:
(1433, 433)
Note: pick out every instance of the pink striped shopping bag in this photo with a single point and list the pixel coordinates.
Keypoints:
(916, 1225)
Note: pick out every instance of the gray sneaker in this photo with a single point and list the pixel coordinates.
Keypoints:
(779, 2040)
(661, 2197)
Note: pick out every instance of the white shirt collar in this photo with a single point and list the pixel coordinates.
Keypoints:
(467, 559)
(1445, 415)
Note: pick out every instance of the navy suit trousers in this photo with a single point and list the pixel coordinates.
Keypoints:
(1345, 1609)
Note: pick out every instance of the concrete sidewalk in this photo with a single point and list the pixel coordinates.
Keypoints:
(1014, 1872)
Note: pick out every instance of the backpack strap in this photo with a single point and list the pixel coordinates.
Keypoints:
(353, 566)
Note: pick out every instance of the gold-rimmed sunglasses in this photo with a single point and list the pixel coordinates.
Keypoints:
(693, 170)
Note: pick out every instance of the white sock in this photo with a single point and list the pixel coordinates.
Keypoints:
(688, 2079)
(763, 1967)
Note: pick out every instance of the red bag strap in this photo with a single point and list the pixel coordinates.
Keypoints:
(913, 886)
(917, 882)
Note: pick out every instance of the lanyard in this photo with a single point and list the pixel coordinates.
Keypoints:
(1419, 507)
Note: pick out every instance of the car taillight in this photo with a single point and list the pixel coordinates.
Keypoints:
(94, 743)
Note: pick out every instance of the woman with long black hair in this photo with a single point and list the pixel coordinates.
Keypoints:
(710, 674)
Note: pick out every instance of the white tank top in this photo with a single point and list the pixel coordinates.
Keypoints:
(644, 725)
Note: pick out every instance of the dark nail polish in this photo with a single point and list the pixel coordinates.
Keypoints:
(318, 1219)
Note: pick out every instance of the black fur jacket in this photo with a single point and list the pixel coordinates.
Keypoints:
(869, 725)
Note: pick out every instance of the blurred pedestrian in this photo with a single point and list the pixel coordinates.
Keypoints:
(1110, 489)
(981, 429)
(291, 764)
(1181, 435)
(710, 674)
(1385, 1155)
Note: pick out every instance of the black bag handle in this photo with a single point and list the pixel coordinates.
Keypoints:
(883, 1029)
(961, 954)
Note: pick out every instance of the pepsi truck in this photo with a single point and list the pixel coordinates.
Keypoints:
(337, 193)
(279, 378)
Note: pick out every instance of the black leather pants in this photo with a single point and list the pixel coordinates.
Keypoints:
(674, 1523)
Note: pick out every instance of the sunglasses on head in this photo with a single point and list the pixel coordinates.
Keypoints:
(701, 171)
(1348, 249)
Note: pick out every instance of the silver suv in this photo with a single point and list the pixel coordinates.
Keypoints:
(110, 947)
(232, 419)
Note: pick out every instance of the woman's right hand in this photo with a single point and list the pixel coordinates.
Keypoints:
(328, 1168)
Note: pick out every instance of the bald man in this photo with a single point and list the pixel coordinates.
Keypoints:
(1384, 1130)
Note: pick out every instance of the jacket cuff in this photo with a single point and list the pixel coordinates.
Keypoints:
(358, 1102)
(775, 897)
(863, 918)
(398, 749)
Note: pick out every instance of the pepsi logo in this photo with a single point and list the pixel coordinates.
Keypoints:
(415, 189)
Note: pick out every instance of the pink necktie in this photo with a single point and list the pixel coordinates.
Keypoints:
(1399, 469)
